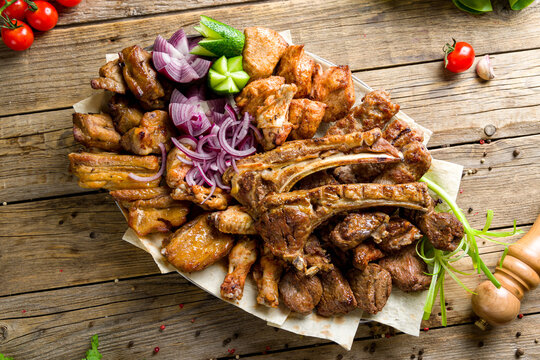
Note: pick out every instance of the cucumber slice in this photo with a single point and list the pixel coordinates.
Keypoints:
(226, 87)
(220, 39)
(199, 50)
(220, 65)
(215, 78)
(240, 78)
(235, 64)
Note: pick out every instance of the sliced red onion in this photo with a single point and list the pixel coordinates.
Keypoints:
(184, 160)
(227, 147)
(192, 154)
(159, 173)
(212, 190)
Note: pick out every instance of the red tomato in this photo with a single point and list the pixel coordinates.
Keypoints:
(18, 39)
(44, 18)
(458, 57)
(15, 10)
(69, 3)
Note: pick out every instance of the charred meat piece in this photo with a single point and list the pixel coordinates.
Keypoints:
(371, 287)
(399, 133)
(297, 68)
(242, 256)
(111, 171)
(320, 178)
(125, 113)
(305, 116)
(110, 78)
(398, 234)
(233, 220)
(376, 110)
(365, 253)
(316, 257)
(154, 129)
(273, 117)
(96, 130)
(357, 227)
(255, 93)
(335, 88)
(198, 194)
(196, 245)
(141, 78)
(347, 125)
(286, 220)
(278, 170)
(408, 271)
(267, 273)
(416, 162)
(300, 293)
(262, 50)
(337, 297)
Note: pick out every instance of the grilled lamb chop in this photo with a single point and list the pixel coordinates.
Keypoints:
(365, 253)
(407, 270)
(286, 220)
(262, 50)
(96, 130)
(371, 287)
(266, 274)
(335, 88)
(300, 293)
(110, 78)
(297, 68)
(416, 162)
(242, 256)
(278, 170)
(337, 296)
(233, 220)
(357, 227)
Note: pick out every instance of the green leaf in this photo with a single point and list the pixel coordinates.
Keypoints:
(2, 357)
(93, 353)
(520, 4)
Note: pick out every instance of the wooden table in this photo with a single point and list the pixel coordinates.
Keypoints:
(65, 273)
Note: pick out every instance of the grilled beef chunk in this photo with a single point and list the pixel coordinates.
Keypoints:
(267, 273)
(337, 296)
(398, 234)
(125, 113)
(255, 93)
(305, 116)
(96, 130)
(407, 270)
(316, 257)
(233, 220)
(357, 227)
(154, 129)
(365, 253)
(376, 110)
(371, 287)
(110, 78)
(415, 164)
(300, 293)
(262, 50)
(399, 133)
(297, 68)
(241, 257)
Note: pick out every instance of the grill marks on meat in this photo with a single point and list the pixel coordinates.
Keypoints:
(233, 220)
(278, 170)
(262, 50)
(407, 270)
(365, 253)
(356, 228)
(242, 256)
(398, 233)
(371, 287)
(286, 220)
(300, 293)
(254, 94)
(96, 130)
(305, 116)
(154, 129)
(337, 297)
(267, 273)
(111, 171)
(110, 78)
(124, 112)
(297, 68)
(335, 88)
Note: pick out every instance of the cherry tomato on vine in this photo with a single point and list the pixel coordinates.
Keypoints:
(15, 10)
(18, 39)
(458, 57)
(44, 18)
(69, 3)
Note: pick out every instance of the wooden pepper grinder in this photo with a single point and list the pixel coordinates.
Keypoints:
(520, 272)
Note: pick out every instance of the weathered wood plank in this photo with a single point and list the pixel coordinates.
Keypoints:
(385, 26)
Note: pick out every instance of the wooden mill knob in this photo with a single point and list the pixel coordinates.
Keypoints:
(520, 273)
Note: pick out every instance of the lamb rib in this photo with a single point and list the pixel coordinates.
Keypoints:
(286, 220)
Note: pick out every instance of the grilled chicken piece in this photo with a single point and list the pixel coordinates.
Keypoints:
(335, 88)
(267, 273)
(262, 50)
(371, 287)
(347, 125)
(141, 78)
(398, 234)
(273, 117)
(305, 116)
(96, 130)
(300, 293)
(278, 170)
(198, 194)
(286, 220)
(297, 68)
(233, 220)
(110, 78)
(357, 227)
(125, 113)
(111, 171)
(316, 257)
(337, 297)
(408, 271)
(255, 93)
(242, 256)
(320, 178)
(196, 245)
(154, 129)
(151, 210)
(365, 253)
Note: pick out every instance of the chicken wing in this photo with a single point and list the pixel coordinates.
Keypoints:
(125, 113)
(242, 256)
(196, 245)
(154, 129)
(262, 50)
(305, 116)
(96, 130)
(110, 78)
(233, 220)
(297, 68)
(253, 94)
(266, 274)
(335, 88)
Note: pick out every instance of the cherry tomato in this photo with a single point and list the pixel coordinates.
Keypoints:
(15, 10)
(458, 57)
(69, 3)
(18, 39)
(44, 18)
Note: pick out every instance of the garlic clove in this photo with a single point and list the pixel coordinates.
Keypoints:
(484, 69)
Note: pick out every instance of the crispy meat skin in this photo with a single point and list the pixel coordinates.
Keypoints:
(319, 178)
(300, 293)
(297, 68)
(316, 257)
(278, 170)
(253, 94)
(154, 129)
(357, 227)
(111, 171)
(233, 220)
(110, 78)
(196, 245)
(365, 253)
(407, 270)
(96, 130)
(266, 274)
(286, 220)
(242, 256)
(371, 287)
(141, 78)
(262, 50)
(125, 113)
(305, 116)
(335, 88)
(337, 296)
(398, 234)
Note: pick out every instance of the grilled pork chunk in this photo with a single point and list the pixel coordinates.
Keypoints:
(233, 220)
(154, 129)
(337, 296)
(263, 48)
(125, 113)
(242, 256)
(96, 130)
(110, 78)
(255, 93)
(305, 117)
(297, 68)
(335, 88)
